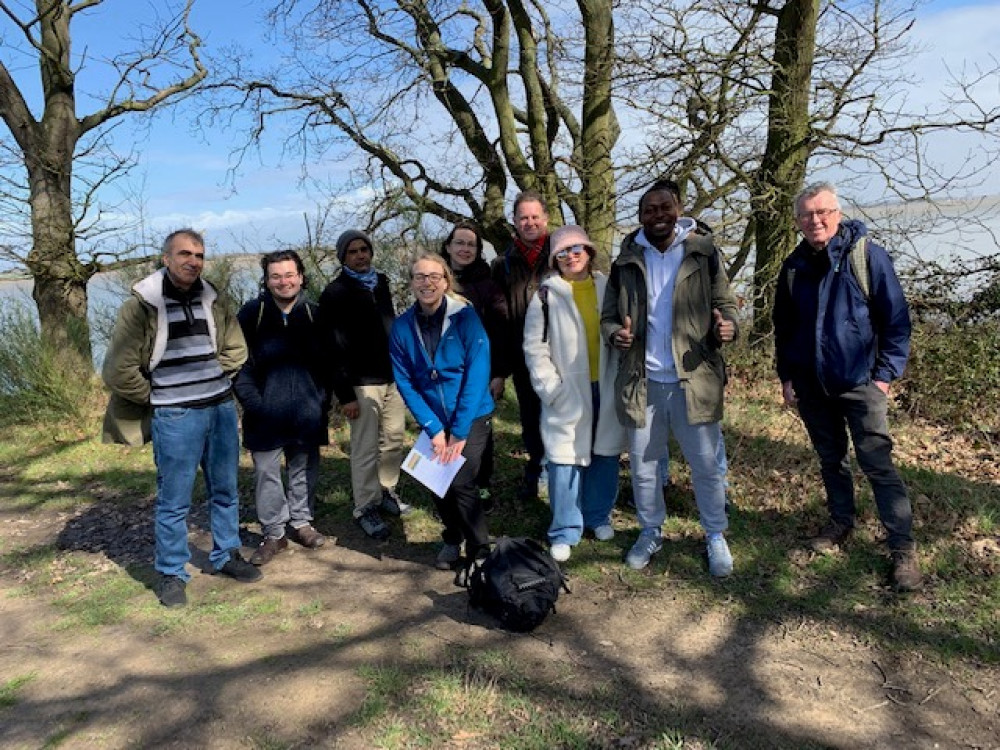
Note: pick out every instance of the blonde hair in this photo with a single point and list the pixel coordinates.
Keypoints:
(453, 287)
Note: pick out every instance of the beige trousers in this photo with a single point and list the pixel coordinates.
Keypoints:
(376, 443)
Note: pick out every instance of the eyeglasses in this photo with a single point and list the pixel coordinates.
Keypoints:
(819, 213)
(432, 277)
(575, 251)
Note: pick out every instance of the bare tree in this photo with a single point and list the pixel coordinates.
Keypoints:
(742, 100)
(454, 104)
(49, 145)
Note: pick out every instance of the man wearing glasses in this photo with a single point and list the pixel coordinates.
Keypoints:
(840, 339)
(668, 308)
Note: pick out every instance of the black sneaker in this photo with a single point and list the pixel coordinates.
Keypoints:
(393, 504)
(170, 591)
(240, 570)
(831, 537)
(373, 525)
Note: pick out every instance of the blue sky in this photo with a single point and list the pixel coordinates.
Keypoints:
(182, 174)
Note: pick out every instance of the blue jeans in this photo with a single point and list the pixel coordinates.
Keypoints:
(666, 412)
(863, 411)
(183, 439)
(581, 497)
(278, 504)
(720, 457)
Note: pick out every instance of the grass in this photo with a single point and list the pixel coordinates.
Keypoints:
(9, 690)
(488, 698)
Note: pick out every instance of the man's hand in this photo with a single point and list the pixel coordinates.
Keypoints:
(788, 394)
(351, 410)
(623, 336)
(882, 386)
(496, 388)
(725, 330)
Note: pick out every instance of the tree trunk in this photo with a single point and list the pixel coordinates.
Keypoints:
(599, 128)
(786, 155)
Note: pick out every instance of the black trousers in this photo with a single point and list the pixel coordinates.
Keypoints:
(460, 509)
(530, 408)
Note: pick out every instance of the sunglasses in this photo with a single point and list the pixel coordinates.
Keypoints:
(575, 251)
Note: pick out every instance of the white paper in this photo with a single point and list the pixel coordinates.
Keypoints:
(434, 475)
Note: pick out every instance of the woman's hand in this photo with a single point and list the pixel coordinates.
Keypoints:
(446, 450)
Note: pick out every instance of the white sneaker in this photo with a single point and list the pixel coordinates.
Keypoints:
(720, 560)
(560, 552)
(604, 532)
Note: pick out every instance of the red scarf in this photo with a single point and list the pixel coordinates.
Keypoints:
(530, 252)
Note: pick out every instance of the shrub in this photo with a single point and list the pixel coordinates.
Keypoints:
(37, 380)
(953, 376)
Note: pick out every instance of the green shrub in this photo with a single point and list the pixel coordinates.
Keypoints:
(953, 376)
(37, 380)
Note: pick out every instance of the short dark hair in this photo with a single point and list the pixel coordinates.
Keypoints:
(279, 256)
(664, 185)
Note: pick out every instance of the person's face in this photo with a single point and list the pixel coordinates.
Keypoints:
(284, 281)
(818, 218)
(530, 221)
(358, 256)
(462, 248)
(573, 263)
(184, 261)
(658, 215)
(429, 283)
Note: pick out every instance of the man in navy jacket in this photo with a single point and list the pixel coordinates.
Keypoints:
(838, 344)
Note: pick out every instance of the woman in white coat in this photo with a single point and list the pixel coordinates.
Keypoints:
(573, 372)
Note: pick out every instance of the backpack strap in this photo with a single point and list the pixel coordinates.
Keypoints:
(860, 266)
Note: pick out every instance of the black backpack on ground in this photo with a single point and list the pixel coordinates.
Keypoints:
(518, 583)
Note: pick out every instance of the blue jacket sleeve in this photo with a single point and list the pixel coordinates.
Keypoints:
(476, 379)
(402, 352)
(890, 317)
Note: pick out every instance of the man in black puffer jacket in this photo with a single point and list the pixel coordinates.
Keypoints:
(282, 388)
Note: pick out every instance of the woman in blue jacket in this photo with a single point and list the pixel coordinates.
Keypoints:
(441, 361)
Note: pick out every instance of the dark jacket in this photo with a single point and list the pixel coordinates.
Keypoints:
(518, 281)
(356, 324)
(826, 333)
(477, 285)
(282, 386)
(451, 390)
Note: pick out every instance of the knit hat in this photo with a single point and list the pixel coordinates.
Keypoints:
(567, 236)
(347, 238)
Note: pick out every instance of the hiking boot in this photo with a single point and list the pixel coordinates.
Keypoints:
(373, 525)
(648, 544)
(560, 552)
(604, 533)
(170, 591)
(447, 556)
(307, 536)
(267, 549)
(831, 537)
(720, 559)
(905, 570)
(393, 504)
(239, 569)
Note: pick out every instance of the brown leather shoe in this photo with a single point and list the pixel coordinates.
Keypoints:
(831, 537)
(307, 536)
(906, 574)
(267, 549)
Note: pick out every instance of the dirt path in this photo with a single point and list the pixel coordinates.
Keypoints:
(291, 675)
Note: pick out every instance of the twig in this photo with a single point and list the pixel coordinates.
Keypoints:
(930, 694)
